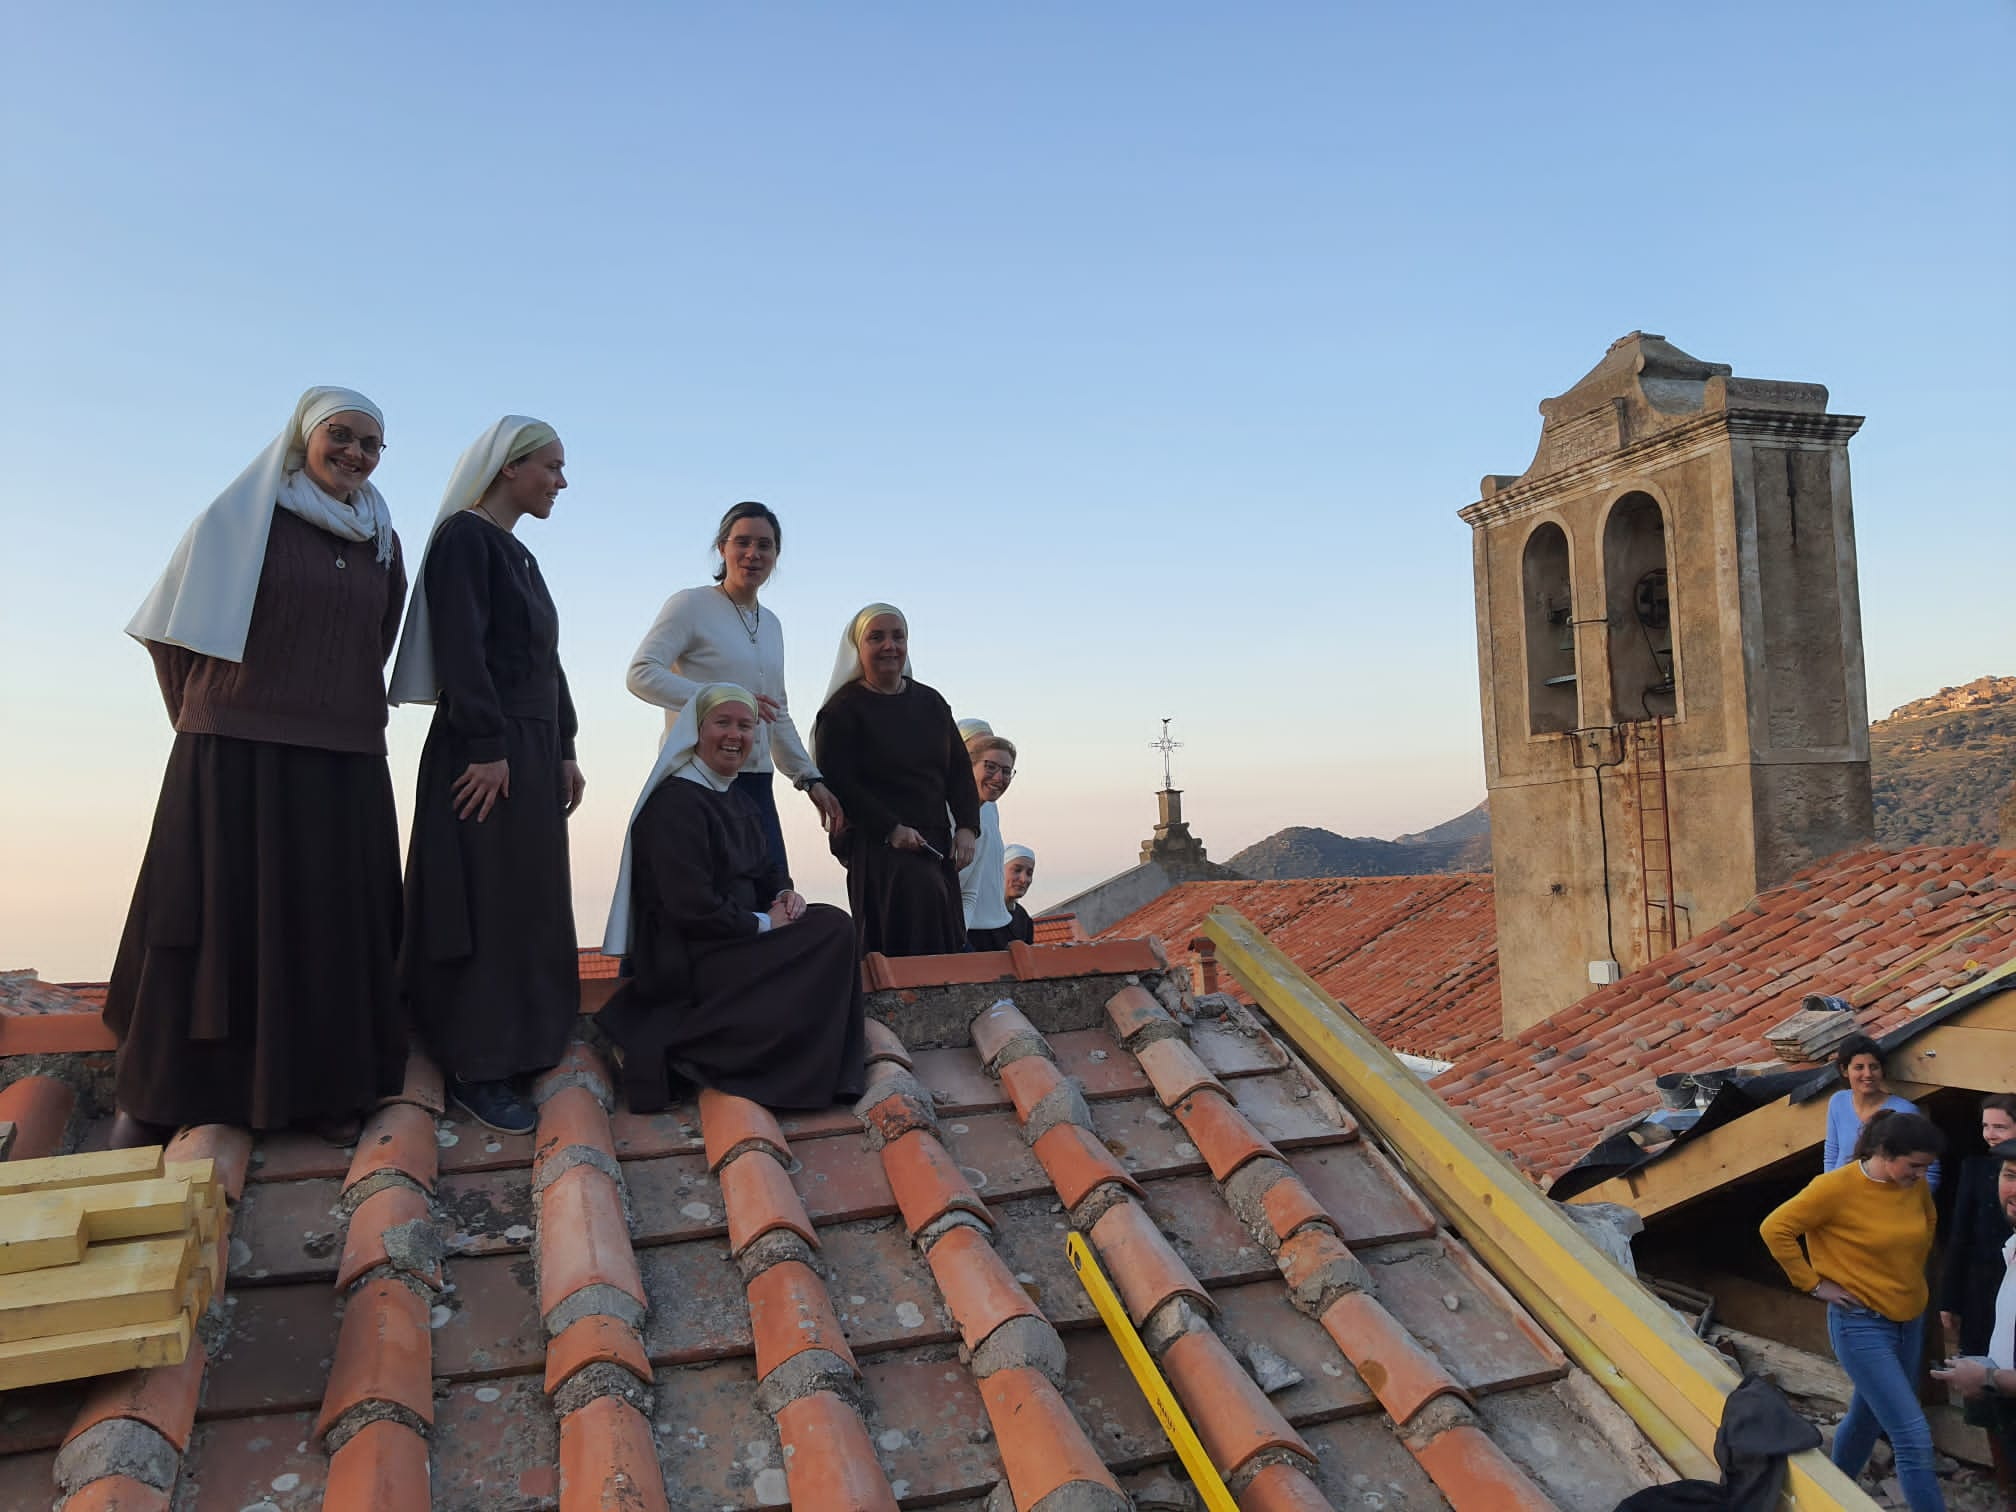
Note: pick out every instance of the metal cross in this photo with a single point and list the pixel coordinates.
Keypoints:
(1165, 745)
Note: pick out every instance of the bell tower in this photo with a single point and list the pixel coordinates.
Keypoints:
(1669, 649)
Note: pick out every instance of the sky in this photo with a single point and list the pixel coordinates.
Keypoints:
(1142, 353)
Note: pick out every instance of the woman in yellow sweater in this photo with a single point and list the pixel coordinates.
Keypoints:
(1868, 1230)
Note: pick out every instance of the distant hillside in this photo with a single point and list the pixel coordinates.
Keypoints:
(1462, 844)
(1942, 765)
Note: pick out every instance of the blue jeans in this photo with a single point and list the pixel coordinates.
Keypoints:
(1882, 1358)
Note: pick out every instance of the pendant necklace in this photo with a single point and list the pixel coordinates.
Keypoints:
(751, 622)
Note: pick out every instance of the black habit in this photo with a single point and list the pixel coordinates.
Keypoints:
(254, 980)
(896, 758)
(489, 968)
(1973, 1268)
(772, 1016)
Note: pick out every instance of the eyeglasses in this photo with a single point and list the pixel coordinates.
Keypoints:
(995, 769)
(341, 436)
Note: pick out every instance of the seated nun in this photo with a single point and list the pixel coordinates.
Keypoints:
(1018, 870)
(733, 980)
(892, 755)
(982, 892)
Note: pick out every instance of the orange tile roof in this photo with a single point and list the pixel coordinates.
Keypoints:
(1900, 922)
(1415, 958)
(895, 1280)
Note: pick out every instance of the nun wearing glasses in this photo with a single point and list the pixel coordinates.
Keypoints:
(489, 966)
(254, 983)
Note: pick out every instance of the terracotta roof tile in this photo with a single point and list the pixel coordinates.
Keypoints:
(1755, 967)
(932, 1367)
(1415, 958)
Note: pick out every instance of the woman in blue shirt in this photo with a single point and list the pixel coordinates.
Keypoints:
(1860, 1063)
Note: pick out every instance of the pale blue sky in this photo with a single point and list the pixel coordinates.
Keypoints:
(1143, 353)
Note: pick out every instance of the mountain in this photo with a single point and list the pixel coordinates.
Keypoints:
(1942, 765)
(1941, 768)
(1462, 844)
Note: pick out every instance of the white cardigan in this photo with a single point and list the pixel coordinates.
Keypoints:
(983, 889)
(699, 638)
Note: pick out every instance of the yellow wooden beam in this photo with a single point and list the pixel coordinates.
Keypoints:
(1672, 1383)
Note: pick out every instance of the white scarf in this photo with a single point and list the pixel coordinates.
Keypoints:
(677, 757)
(513, 437)
(364, 518)
(203, 599)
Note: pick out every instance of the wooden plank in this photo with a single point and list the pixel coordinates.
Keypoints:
(40, 1229)
(53, 1227)
(114, 1285)
(55, 1171)
(200, 1174)
(1959, 1055)
(68, 1357)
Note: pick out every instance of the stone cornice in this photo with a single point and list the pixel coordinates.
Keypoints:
(1678, 444)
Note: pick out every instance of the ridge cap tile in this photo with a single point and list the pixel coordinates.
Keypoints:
(1144, 1265)
(1231, 1414)
(979, 1290)
(163, 1397)
(727, 1121)
(928, 1182)
(829, 1461)
(1043, 1446)
(789, 1313)
(400, 1137)
(384, 1353)
(760, 1198)
(382, 1467)
(364, 1238)
(583, 1239)
(596, 1339)
(609, 1460)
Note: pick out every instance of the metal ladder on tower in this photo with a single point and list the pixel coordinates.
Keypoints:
(1655, 834)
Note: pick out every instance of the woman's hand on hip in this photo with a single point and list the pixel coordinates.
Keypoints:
(572, 786)
(832, 818)
(768, 708)
(479, 787)
(905, 838)
(1837, 1295)
(964, 843)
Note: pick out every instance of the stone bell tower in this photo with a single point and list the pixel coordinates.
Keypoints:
(1669, 648)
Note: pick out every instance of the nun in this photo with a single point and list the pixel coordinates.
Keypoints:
(893, 757)
(1018, 870)
(254, 980)
(983, 880)
(734, 981)
(489, 968)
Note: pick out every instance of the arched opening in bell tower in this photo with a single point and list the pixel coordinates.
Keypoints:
(1644, 675)
(1551, 688)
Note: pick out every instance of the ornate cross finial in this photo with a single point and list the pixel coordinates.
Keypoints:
(1165, 745)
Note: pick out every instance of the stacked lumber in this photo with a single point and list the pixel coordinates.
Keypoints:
(1814, 1032)
(106, 1262)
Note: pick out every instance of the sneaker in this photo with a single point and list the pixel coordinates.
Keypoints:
(495, 1106)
